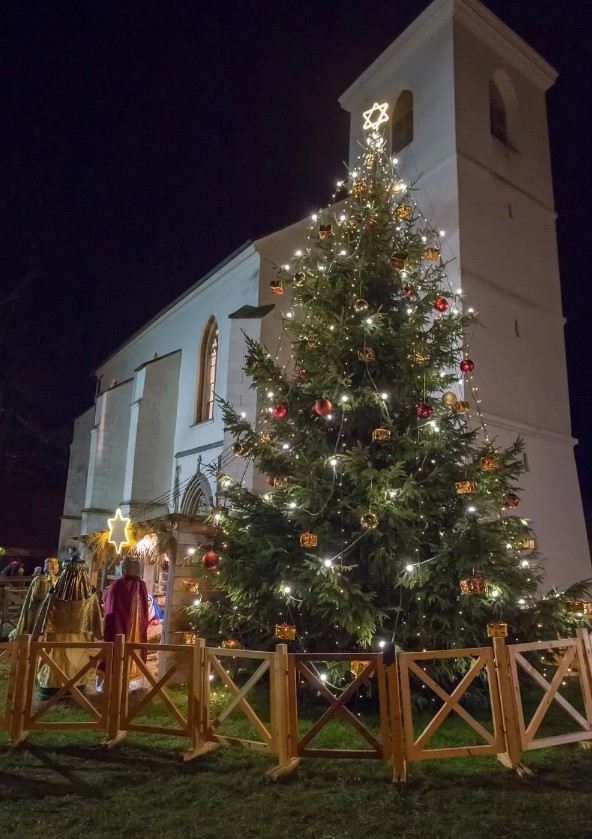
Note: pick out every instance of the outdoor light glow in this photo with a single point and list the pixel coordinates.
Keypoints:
(327, 563)
(409, 567)
(287, 589)
(191, 551)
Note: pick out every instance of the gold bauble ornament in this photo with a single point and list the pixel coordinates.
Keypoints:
(240, 449)
(360, 306)
(449, 398)
(369, 520)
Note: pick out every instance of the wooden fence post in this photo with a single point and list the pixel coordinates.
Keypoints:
(115, 734)
(280, 725)
(20, 698)
(197, 702)
(511, 757)
(201, 693)
(394, 692)
(584, 637)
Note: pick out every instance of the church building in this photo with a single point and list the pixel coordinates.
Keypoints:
(468, 123)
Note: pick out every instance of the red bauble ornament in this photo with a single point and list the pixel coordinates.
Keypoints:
(322, 407)
(280, 411)
(210, 560)
(440, 304)
(270, 480)
(408, 290)
(424, 411)
(302, 374)
(512, 501)
(467, 366)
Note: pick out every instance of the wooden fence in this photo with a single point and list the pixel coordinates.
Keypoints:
(507, 727)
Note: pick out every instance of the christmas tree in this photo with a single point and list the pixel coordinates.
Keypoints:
(391, 514)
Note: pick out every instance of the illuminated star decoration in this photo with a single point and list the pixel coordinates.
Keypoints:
(375, 116)
(118, 531)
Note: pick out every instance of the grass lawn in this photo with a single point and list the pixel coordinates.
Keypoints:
(65, 784)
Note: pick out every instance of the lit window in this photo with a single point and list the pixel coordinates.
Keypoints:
(206, 390)
(498, 121)
(402, 122)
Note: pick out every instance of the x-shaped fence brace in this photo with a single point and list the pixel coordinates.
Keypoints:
(239, 700)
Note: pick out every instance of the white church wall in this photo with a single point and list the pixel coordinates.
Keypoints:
(150, 452)
(74, 499)
(108, 447)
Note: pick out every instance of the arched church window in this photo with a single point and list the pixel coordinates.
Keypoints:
(208, 362)
(498, 120)
(402, 131)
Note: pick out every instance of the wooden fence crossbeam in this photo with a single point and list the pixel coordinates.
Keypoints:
(239, 696)
(68, 686)
(551, 693)
(451, 703)
(157, 690)
(337, 706)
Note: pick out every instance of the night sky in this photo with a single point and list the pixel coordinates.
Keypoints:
(142, 142)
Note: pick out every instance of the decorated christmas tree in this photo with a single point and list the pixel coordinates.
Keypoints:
(391, 515)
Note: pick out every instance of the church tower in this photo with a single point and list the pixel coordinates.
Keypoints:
(469, 124)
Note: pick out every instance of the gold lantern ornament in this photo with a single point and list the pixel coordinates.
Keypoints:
(472, 586)
(357, 667)
(488, 463)
(231, 644)
(465, 487)
(369, 520)
(308, 539)
(285, 631)
(497, 629)
(580, 608)
(190, 586)
(189, 639)
(431, 254)
(359, 188)
(526, 544)
(404, 211)
(418, 357)
(276, 286)
(265, 437)
(381, 435)
(449, 399)
(240, 449)
(461, 407)
(369, 159)
(299, 279)
(325, 231)
(366, 354)
(400, 260)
